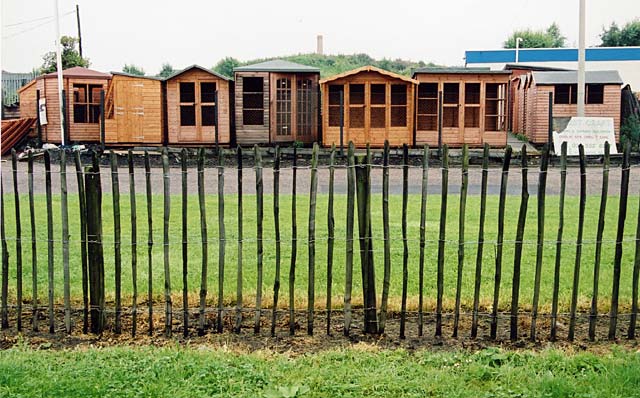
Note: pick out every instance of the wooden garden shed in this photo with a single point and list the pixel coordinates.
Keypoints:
(82, 88)
(472, 102)
(378, 105)
(134, 110)
(198, 99)
(276, 101)
(602, 99)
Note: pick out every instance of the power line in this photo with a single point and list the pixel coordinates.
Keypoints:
(49, 20)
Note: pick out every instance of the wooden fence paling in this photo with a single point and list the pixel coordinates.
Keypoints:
(517, 260)
(483, 211)
(386, 284)
(205, 241)
(351, 181)
(276, 222)
(95, 256)
(168, 312)
(83, 239)
(50, 253)
(64, 211)
(259, 233)
(313, 190)
(4, 312)
(622, 216)
(593, 315)
(423, 221)
(34, 253)
(461, 223)
(16, 202)
(147, 169)
(238, 323)
(441, 238)
(576, 268)
(294, 240)
(541, 195)
(556, 273)
(115, 188)
(134, 244)
(330, 235)
(221, 240)
(499, 243)
(185, 245)
(405, 251)
(634, 285)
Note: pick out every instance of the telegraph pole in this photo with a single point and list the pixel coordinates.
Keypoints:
(79, 33)
(59, 68)
(581, 59)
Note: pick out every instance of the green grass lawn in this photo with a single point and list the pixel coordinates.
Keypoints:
(249, 249)
(355, 372)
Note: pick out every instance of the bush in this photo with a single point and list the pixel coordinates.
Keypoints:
(630, 132)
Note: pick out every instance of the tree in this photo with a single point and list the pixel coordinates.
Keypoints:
(70, 56)
(225, 66)
(167, 70)
(549, 38)
(133, 70)
(629, 35)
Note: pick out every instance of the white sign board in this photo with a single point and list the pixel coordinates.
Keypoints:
(42, 110)
(591, 132)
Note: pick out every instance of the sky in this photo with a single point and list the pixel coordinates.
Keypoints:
(149, 33)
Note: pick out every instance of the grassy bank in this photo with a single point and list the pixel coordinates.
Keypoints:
(355, 372)
(249, 248)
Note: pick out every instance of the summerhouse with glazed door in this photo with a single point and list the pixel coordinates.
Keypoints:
(276, 102)
(377, 105)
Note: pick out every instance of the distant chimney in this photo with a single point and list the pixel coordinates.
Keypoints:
(319, 49)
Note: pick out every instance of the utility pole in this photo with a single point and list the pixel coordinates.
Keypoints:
(581, 59)
(59, 68)
(79, 33)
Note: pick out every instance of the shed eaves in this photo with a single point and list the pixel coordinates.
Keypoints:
(571, 77)
(277, 65)
(460, 71)
(188, 68)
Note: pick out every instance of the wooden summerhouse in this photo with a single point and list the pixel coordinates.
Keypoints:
(82, 88)
(134, 110)
(602, 99)
(377, 105)
(192, 110)
(276, 101)
(472, 104)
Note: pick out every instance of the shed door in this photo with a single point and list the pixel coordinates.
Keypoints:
(135, 110)
(283, 108)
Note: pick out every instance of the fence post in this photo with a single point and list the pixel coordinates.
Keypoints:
(556, 273)
(50, 252)
(276, 224)
(311, 290)
(4, 323)
(83, 240)
(16, 195)
(387, 243)
(479, 253)
(205, 240)
(348, 277)
(423, 229)
(517, 261)
(115, 189)
(363, 190)
(259, 234)
(34, 247)
(441, 238)
(461, 224)
(94, 247)
(542, 189)
(405, 247)
(331, 236)
(576, 268)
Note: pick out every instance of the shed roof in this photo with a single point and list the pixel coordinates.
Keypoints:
(460, 71)
(77, 71)
(369, 68)
(188, 68)
(534, 67)
(277, 65)
(571, 77)
(137, 76)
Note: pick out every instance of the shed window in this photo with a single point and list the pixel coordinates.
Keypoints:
(207, 92)
(187, 115)
(208, 115)
(427, 106)
(304, 109)
(472, 105)
(283, 107)
(450, 105)
(208, 103)
(356, 105)
(565, 94)
(86, 103)
(187, 92)
(398, 105)
(252, 101)
(187, 104)
(595, 94)
(378, 113)
(495, 110)
(335, 92)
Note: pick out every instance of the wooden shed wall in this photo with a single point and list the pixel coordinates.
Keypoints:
(137, 111)
(458, 136)
(178, 134)
(376, 137)
(252, 134)
(536, 116)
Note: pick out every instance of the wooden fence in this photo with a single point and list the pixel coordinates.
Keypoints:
(375, 318)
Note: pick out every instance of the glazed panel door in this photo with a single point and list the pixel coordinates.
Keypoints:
(283, 108)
